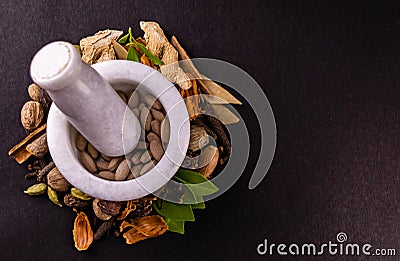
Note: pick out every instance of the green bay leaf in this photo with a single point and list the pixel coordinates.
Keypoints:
(175, 211)
(132, 55)
(175, 225)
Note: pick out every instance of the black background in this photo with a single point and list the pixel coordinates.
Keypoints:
(330, 70)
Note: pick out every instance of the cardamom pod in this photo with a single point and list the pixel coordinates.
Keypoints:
(83, 233)
(52, 194)
(36, 189)
(79, 194)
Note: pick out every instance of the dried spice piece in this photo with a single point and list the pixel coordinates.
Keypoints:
(109, 207)
(34, 92)
(74, 202)
(36, 189)
(157, 44)
(38, 147)
(57, 181)
(209, 160)
(45, 170)
(99, 47)
(79, 194)
(19, 152)
(103, 228)
(31, 115)
(130, 206)
(225, 115)
(52, 194)
(144, 228)
(98, 211)
(198, 137)
(83, 234)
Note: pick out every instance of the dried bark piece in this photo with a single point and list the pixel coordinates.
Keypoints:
(224, 114)
(34, 92)
(32, 114)
(83, 234)
(19, 152)
(144, 228)
(88, 162)
(208, 86)
(158, 44)
(209, 160)
(99, 47)
(38, 147)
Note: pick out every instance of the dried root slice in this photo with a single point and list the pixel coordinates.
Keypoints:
(83, 233)
(143, 228)
(19, 152)
(158, 44)
(99, 47)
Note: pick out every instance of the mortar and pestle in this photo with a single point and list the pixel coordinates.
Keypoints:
(85, 99)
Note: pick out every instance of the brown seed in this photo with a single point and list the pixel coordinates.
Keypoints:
(80, 142)
(106, 174)
(136, 170)
(130, 176)
(136, 157)
(153, 137)
(165, 130)
(134, 100)
(34, 92)
(153, 102)
(149, 165)
(31, 115)
(92, 151)
(155, 127)
(57, 181)
(145, 157)
(105, 157)
(122, 171)
(136, 111)
(141, 145)
(114, 163)
(158, 115)
(87, 162)
(156, 150)
(102, 165)
(122, 95)
(145, 118)
(208, 160)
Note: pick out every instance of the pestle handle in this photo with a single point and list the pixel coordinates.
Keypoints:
(90, 103)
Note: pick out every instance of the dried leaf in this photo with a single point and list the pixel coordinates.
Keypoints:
(19, 152)
(83, 233)
(224, 114)
(120, 50)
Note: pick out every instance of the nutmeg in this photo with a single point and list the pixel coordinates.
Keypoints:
(34, 92)
(31, 115)
(198, 137)
(98, 210)
(57, 181)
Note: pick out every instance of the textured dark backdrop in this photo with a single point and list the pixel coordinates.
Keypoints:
(331, 73)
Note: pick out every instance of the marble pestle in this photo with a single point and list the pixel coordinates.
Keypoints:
(89, 102)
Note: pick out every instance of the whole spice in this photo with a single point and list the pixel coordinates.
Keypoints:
(79, 194)
(57, 181)
(52, 194)
(38, 147)
(36, 189)
(103, 228)
(143, 228)
(31, 115)
(71, 201)
(209, 160)
(34, 92)
(109, 207)
(98, 211)
(43, 172)
(83, 234)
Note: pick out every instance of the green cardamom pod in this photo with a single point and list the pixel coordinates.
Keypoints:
(36, 189)
(52, 194)
(79, 194)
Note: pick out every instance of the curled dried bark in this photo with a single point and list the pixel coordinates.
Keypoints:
(99, 47)
(83, 234)
(158, 44)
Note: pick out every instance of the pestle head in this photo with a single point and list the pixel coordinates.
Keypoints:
(53, 64)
